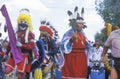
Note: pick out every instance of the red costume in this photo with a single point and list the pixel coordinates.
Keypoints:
(25, 41)
(76, 62)
(25, 65)
(73, 45)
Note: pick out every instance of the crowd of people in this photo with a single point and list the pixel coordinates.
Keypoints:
(74, 57)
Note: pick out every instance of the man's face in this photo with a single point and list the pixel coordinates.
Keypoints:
(43, 33)
(23, 25)
(79, 26)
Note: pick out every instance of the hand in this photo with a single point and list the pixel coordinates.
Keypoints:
(73, 38)
(102, 59)
(19, 44)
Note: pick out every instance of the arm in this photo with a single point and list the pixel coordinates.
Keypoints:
(40, 45)
(36, 52)
(54, 48)
(105, 49)
(30, 45)
(107, 45)
(66, 43)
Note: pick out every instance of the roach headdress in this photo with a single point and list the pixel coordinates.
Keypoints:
(46, 26)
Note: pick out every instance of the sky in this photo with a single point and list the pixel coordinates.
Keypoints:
(54, 11)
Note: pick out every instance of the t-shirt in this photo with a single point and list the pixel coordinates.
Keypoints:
(114, 41)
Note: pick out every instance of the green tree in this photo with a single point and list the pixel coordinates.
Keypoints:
(101, 36)
(109, 10)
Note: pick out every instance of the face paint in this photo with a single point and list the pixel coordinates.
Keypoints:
(43, 33)
(23, 26)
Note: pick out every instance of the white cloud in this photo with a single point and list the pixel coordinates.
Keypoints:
(58, 2)
(70, 2)
(94, 25)
(56, 12)
(30, 4)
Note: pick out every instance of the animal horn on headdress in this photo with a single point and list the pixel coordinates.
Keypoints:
(82, 12)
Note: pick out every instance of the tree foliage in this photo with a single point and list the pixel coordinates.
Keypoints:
(101, 36)
(109, 10)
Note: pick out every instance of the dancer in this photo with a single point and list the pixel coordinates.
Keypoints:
(49, 36)
(73, 45)
(25, 41)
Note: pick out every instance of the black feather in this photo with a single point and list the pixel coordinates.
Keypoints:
(43, 22)
(51, 27)
(76, 9)
(47, 23)
(82, 11)
(85, 26)
(56, 31)
(0, 34)
(69, 13)
(80, 18)
(78, 15)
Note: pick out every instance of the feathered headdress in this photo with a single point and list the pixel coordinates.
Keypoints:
(46, 26)
(75, 17)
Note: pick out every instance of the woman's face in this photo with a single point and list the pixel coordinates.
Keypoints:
(79, 26)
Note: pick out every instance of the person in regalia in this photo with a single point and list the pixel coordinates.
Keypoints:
(25, 41)
(73, 45)
(49, 36)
